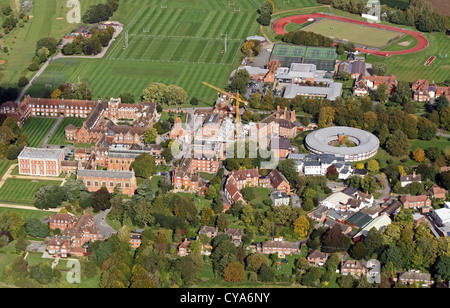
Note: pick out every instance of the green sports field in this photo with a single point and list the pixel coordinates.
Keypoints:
(48, 19)
(181, 45)
(37, 128)
(21, 191)
(358, 34)
(410, 67)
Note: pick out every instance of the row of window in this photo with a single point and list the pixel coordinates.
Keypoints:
(111, 184)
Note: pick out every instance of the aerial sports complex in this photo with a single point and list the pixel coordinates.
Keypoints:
(351, 143)
(364, 28)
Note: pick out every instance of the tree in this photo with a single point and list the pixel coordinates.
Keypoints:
(36, 228)
(144, 165)
(255, 101)
(379, 69)
(441, 268)
(267, 7)
(419, 155)
(11, 222)
(266, 273)
(444, 118)
(301, 226)
(23, 81)
(207, 216)
(234, 272)
(373, 166)
(358, 251)
(255, 260)
(150, 135)
(397, 144)
(426, 129)
(127, 98)
(240, 80)
(265, 19)
(155, 91)
(334, 240)
(326, 116)
(368, 184)
(289, 169)
(101, 200)
(49, 196)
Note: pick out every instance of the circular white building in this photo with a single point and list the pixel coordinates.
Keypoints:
(351, 143)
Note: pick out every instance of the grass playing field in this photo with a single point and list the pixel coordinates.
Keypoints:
(21, 191)
(357, 34)
(21, 41)
(410, 67)
(181, 45)
(37, 128)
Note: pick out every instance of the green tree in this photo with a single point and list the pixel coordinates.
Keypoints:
(397, 144)
(49, 196)
(144, 165)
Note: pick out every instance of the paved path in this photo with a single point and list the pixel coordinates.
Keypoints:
(60, 55)
(26, 207)
(100, 222)
(50, 133)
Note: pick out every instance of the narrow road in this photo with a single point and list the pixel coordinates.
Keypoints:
(60, 55)
(50, 133)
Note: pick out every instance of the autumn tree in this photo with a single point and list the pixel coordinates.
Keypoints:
(301, 226)
(234, 272)
(373, 166)
(326, 116)
(419, 155)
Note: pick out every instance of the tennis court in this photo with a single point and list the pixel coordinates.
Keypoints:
(323, 58)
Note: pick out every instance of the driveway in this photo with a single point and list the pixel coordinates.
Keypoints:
(100, 221)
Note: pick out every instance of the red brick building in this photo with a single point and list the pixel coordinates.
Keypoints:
(76, 233)
(40, 162)
(415, 202)
(95, 179)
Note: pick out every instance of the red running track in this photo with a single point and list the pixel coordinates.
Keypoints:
(422, 42)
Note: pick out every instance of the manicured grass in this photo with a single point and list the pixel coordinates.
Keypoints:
(382, 156)
(27, 214)
(5, 164)
(37, 128)
(354, 33)
(406, 39)
(410, 67)
(261, 194)
(59, 135)
(22, 191)
(21, 41)
(181, 45)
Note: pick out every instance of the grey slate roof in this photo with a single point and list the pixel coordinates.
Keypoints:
(105, 174)
(331, 92)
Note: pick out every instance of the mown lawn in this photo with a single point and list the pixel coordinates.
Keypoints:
(5, 164)
(21, 191)
(36, 129)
